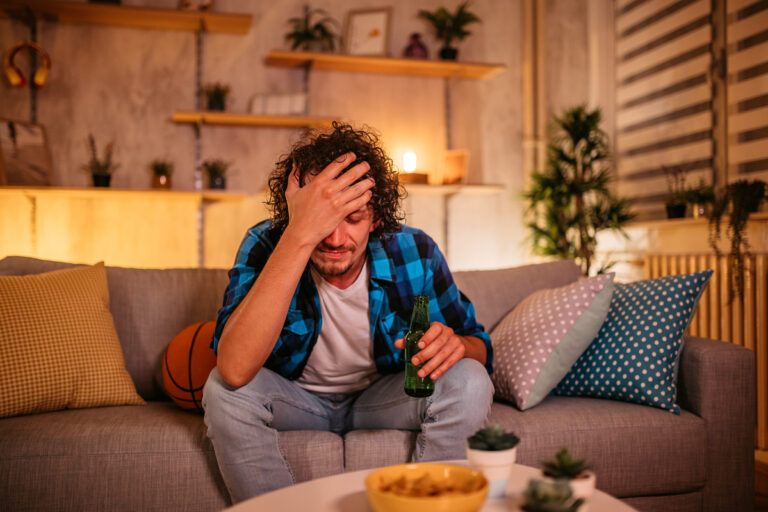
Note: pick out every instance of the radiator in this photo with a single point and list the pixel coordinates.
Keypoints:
(737, 320)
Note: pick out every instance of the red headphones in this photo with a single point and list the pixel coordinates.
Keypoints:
(14, 74)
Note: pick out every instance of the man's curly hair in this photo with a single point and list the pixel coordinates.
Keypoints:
(312, 154)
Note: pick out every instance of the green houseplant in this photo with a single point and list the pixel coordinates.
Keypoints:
(100, 169)
(739, 199)
(677, 200)
(216, 96)
(310, 35)
(549, 496)
(699, 197)
(216, 170)
(570, 201)
(576, 471)
(450, 27)
(492, 450)
(161, 173)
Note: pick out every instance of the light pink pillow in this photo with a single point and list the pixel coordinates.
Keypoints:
(536, 344)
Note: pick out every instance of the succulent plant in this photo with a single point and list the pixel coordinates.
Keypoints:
(564, 465)
(492, 438)
(548, 496)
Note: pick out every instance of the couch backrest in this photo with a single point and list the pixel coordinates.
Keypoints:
(494, 293)
(150, 306)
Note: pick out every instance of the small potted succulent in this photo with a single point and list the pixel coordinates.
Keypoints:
(492, 450)
(549, 496)
(216, 170)
(449, 27)
(699, 197)
(312, 36)
(101, 169)
(576, 471)
(161, 174)
(216, 96)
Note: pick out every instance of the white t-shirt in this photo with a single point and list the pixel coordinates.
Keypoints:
(342, 358)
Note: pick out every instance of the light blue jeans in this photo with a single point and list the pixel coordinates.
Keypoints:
(243, 422)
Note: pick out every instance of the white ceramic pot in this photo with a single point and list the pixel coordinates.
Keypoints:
(496, 466)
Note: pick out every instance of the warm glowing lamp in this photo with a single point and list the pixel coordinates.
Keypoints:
(409, 166)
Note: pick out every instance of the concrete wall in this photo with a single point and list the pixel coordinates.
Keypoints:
(124, 84)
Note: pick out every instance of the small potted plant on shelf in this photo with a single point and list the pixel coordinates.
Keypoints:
(161, 174)
(216, 96)
(450, 27)
(677, 199)
(216, 170)
(313, 36)
(101, 169)
(699, 198)
(576, 471)
(549, 496)
(492, 450)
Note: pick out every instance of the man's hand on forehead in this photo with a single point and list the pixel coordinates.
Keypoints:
(315, 209)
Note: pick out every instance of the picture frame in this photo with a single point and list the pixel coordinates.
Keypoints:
(25, 156)
(366, 32)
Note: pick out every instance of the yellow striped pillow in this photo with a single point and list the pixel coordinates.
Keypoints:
(58, 344)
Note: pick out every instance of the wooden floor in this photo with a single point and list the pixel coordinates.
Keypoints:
(761, 481)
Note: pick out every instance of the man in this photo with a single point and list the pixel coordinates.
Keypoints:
(320, 296)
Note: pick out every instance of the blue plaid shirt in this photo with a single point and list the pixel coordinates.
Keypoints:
(402, 265)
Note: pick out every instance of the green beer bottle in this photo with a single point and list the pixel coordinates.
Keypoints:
(414, 385)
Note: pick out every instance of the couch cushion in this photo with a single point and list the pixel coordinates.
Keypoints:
(365, 449)
(149, 307)
(635, 355)
(634, 450)
(536, 344)
(495, 292)
(131, 458)
(58, 345)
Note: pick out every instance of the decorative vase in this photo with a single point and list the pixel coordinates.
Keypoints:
(448, 53)
(217, 182)
(675, 210)
(161, 181)
(101, 180)
(496, 466)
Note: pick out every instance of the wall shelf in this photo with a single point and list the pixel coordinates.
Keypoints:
(382, 65)
(125, 16)
(226, 118)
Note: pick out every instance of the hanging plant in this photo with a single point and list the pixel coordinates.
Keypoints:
(739, 199)
(571, 201)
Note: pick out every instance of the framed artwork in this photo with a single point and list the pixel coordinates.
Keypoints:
(25, 158)
(367, 32)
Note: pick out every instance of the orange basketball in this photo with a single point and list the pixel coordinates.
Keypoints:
(187, 362)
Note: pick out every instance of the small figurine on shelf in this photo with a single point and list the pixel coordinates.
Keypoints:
(416, 48)
(100, 169)
(161, 174)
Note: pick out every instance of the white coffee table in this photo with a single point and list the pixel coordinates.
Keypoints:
(345, 492)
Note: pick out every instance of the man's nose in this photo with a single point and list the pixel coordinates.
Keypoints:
(335, 239)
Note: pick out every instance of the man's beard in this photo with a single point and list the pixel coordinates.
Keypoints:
(333, 268)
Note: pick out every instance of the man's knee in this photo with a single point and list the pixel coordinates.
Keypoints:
(223, 402)
(468, 381)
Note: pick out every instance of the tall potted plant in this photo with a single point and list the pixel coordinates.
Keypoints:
(310, 35)
(100, 169)
(450, 27)
(570, 201)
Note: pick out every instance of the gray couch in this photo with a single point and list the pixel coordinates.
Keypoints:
(157, 457)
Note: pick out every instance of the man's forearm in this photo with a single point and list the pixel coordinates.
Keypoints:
(252, 330)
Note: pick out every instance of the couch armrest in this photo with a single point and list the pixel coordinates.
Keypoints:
(716, 381)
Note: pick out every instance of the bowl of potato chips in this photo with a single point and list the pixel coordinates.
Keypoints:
(426, 487)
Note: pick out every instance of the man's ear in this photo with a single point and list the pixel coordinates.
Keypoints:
(374, 225)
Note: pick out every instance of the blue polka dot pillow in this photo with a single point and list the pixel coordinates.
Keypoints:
(634, 356)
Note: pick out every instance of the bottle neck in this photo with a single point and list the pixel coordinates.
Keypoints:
(420, 315)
